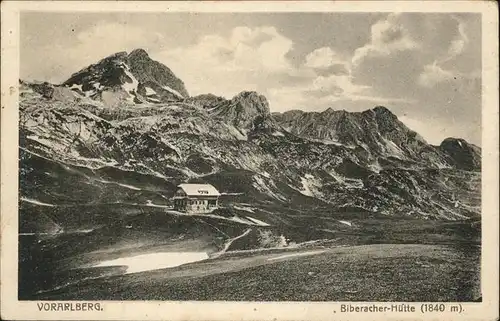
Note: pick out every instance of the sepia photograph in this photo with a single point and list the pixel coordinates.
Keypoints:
(286, 156)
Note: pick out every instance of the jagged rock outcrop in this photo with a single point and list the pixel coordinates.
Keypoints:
(43, 88)
(247, 111)
(206, 101)
(243, 110)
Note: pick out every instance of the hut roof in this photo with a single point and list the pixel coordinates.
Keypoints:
(199, 190)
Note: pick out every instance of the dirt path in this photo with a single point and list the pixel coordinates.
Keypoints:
(230, 241)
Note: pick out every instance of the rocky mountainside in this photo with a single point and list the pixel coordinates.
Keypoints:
(134, 77)
(79, 147)
(377, 131)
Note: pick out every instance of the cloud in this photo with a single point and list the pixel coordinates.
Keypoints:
(90, 45)
(410, 50)
(387, 36)
(227, 65)
(323, 92)
(325, 86)
(457, 45)
(323, 58)
(257, 59)
(433, 75)
(343, 82)
(432, 65)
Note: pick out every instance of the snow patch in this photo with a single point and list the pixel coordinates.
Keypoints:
(151, 204)
(89, 93)
(305, 187)
(173, 91)
(129, 186)
(97, 86)
(244, 208)
(394, 149)
(150, 91)
(82, 231)
(32, 201)
(241, 220)
(130, 88)
(258, 222)
(329, 142)
(310, 185)
(346, 222)
(75, 86)
(266, 174)
(123, 185)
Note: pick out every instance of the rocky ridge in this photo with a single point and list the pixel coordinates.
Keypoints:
(361, 162)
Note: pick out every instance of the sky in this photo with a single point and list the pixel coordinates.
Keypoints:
(424, 67)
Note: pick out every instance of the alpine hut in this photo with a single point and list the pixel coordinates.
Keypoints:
(196, 198)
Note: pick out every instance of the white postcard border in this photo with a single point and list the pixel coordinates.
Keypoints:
(12, 309)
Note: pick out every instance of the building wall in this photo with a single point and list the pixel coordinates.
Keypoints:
(195, 205)
(180, 204)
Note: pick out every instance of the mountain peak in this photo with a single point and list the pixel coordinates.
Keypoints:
(382, 110)
(245, 110)
(251, 100)
(249, 94)
(453, 140)
(116, 55)
(330, 111)
(133, 77)
(139, 52)
(458, 143)
(383, 113)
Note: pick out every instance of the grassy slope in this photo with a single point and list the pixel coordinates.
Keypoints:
(384, 272)
(435, 258)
